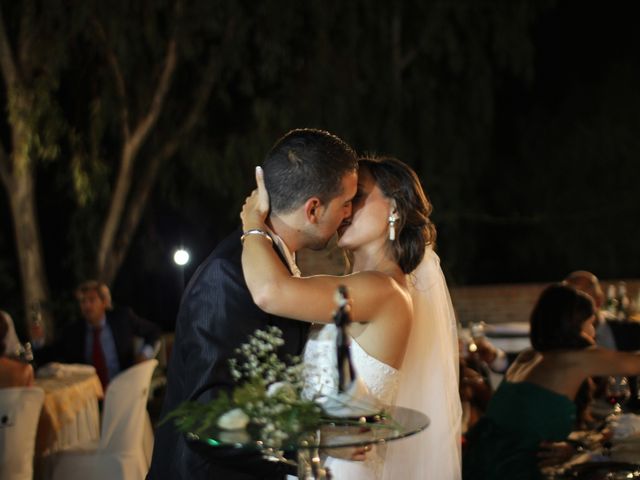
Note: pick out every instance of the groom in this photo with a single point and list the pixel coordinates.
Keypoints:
(311, 176)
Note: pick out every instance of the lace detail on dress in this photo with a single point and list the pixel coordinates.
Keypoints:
(321, 378)
(321, 374)
(382, 379)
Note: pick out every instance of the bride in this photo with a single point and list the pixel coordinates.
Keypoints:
(404, 337)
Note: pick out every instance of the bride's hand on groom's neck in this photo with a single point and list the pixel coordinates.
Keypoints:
(263, 196)
(256, 206)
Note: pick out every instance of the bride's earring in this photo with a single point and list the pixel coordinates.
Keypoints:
(392, 226)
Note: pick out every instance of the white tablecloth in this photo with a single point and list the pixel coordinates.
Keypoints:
(70, 415)
(512, 337)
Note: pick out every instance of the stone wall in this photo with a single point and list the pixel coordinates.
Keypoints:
(509, 302)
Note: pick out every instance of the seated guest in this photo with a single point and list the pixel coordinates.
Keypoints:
(536, 403)
(104, 337)
(12, 345)
(494, 357)
(585, 392)
(12, 372)
(610, 333)
(475, 393)
(485, 357)
(475, 380)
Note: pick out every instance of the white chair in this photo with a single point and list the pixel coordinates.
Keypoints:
(120, 452)
(19, 413)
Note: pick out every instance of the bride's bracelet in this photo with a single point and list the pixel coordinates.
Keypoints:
(256, 231)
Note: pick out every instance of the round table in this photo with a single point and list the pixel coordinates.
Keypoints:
(396, 423)
(70, 413)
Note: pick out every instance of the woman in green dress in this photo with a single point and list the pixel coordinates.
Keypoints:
(537, 403)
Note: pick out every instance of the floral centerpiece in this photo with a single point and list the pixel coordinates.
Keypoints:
(267, 397)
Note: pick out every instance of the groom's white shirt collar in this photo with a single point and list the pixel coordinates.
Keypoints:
(289, 257)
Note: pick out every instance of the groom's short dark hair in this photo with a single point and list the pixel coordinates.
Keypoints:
(306, 163)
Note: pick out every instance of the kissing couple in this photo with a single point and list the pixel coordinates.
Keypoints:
(404, 343)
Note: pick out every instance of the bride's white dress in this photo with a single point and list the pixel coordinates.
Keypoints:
(321, 377)
(429, 383)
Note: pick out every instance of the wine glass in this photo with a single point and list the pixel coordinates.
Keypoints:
(617, 392)
(476, 331)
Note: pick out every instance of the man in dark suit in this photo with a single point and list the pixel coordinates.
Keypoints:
(105, 337)
(311, 177)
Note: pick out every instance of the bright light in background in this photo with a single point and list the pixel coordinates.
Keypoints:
(181, 257)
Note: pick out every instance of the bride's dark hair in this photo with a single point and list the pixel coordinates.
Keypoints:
(414, 229)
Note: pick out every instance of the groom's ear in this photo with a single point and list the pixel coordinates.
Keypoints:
(313, 209)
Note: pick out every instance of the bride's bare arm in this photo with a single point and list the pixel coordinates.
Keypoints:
(309, 299)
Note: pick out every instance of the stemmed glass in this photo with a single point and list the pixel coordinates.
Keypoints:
(617, 392)
(469, 335)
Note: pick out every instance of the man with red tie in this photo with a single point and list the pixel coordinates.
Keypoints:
(104, 337)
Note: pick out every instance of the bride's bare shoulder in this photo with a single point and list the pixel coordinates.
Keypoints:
(379, 282)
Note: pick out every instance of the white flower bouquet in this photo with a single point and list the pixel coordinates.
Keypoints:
(267, 399)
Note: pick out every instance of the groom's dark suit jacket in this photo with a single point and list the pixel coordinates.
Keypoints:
(216, 315)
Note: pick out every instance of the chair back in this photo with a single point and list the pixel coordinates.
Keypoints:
(125, 408)
(19, 414)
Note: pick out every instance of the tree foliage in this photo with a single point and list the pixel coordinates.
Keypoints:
(458, 89)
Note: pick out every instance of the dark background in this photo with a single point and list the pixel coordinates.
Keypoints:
(521, 118)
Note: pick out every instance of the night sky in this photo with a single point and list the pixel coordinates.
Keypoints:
(574, 122)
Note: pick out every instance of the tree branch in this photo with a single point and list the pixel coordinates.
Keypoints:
(7, 62)
(197, 106)
(137, 205)
(201, 97)
(401, 61)
(25, 38)
(5, 168)
(129, 151)
(140, 198)
(121, 89)
(149, 120)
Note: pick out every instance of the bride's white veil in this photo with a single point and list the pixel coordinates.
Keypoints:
(429, 382)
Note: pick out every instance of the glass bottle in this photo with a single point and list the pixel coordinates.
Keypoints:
(611, 303)
(623, 302)
(636, 307)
